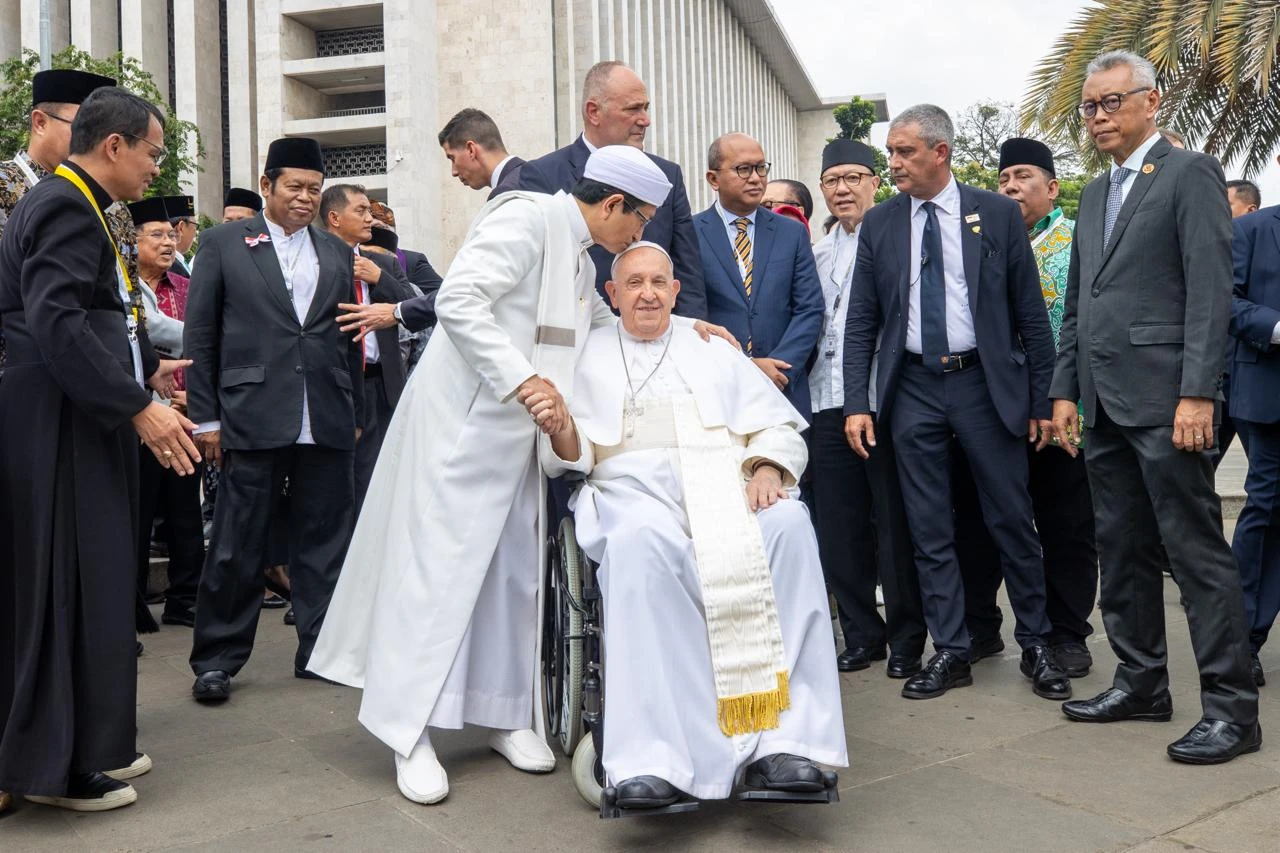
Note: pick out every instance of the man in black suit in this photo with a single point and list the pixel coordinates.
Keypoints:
(277, 391)
(615, 111)
(946, 284)
(345, 213)
(473, 146)
(1148, 302)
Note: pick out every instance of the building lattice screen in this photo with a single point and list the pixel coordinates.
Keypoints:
(350, 160)
(348, 41)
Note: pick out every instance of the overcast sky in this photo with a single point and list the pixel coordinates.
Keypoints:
(940, 51)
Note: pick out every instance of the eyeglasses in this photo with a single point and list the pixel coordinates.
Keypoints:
(158, 154)
(744, 170)
(56, 117)
(160, 235)
(187, 220)
(644, 220)
(791, 201)
(850, 180)
(1109, 103)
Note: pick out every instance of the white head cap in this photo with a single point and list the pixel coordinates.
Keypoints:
(630, 170)
(639, 244)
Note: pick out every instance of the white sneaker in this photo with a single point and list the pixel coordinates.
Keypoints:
(420, 776)
(524, 749)
(140, 767)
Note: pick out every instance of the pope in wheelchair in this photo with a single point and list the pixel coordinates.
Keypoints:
(716, 627)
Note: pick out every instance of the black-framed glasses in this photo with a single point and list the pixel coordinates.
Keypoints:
(744, 170)
(1109, 103)
(158, 154)
(644, 220)
(850, 180)
(772, 204)
(57, 117)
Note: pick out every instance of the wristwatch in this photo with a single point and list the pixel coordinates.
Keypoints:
(395, 312)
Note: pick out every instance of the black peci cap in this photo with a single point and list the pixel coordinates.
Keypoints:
(1019, 151)
(65, 86)
(295, 152)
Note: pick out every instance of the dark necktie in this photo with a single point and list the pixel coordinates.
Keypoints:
(1115, 198)
(933, 293)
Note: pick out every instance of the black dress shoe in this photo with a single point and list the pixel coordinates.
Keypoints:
(783, 771)
(1074, 658)
(943, 671)
(271, 601)
(178, 617)
(139, 649)
(646, 792)
(985, 648)
(1048, 681)
(298, 672)
(1114, 705)
(1255, 668)
(289, 618)
(1215, 742)
(90, 792)
(212, 686)
(852, 660)
(902, 666)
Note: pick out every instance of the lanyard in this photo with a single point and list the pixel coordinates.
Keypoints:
(131, 311)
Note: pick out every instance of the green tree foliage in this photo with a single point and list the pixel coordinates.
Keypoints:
(1217, 64)
(15, 108)
(855, 120)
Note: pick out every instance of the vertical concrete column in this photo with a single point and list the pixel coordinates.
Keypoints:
(59, 24)
(415, 176)
(93, 27)
(198, 85)
(242, 93)
(269, 79)
(10, 33)
(144, 35)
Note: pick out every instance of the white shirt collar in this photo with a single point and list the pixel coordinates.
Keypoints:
(730, 218)
(577, 224)
(1134, 161)
(587, 142)
(497, 171)
(947, 201)
(277, 232)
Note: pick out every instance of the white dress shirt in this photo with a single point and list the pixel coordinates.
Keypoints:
(300, 267)
(364, 295)
(497, 171)
(960, 333)
(835, 255)
(1134, 163)
(732, 230)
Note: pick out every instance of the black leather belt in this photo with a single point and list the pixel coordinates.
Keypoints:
(951, 362)
(372, 369)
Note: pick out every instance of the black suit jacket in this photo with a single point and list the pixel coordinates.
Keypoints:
(671, 228)
(1010, 321)
(508, 177)
(419, 312)
(393, 287)
(252, 355)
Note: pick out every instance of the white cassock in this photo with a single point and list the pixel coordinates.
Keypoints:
(449, 535)
(660, 693)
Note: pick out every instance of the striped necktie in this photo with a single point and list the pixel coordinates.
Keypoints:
(742, 245)
(1115, 198)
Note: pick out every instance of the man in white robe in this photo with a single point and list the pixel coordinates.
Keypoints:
(717, 630)
(450, 533)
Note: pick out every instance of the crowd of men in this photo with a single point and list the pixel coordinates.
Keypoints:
(987, 392)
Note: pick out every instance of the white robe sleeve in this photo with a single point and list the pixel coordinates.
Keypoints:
(502, 250)
(554, 466)
(601, 313)
(782, 446)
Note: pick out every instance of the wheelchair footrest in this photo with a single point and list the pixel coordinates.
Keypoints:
(609, 807)
(829, 794)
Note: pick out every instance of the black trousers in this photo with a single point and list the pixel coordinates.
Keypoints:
(321, 517)
(1063, 506)
(862, 536)
(1132, 471)
(377, 417)
(930, 412)
(161, 491)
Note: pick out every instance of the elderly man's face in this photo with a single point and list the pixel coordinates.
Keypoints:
(1119, 134)
(1033, 190)
(621, 116)
(644, 291)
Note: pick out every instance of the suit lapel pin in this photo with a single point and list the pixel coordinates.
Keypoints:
(972, 217)
(977, 229)
(1148, 168)
(254, 241)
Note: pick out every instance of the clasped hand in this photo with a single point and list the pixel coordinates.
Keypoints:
(543, 402)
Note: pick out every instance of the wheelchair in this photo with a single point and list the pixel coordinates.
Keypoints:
(573, 682)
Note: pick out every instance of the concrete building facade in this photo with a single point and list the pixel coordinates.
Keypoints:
(374, 80)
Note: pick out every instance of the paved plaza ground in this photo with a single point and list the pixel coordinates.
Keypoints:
(284, 766)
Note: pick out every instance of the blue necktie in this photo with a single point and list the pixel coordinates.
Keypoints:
(933, 293)
(1115, 198)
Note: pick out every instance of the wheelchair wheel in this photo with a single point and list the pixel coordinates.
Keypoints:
(569, 636)
(583, 770)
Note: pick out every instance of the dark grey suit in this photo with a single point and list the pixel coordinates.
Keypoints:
(1145, 321)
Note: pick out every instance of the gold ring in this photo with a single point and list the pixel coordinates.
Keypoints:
(168, 453)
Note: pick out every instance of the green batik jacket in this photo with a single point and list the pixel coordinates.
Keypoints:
(1051, 244)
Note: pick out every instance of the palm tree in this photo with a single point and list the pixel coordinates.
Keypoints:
(1217, 67)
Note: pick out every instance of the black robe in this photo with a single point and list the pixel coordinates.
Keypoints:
(68, 495)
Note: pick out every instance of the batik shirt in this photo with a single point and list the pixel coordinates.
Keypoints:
(1051, 243)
